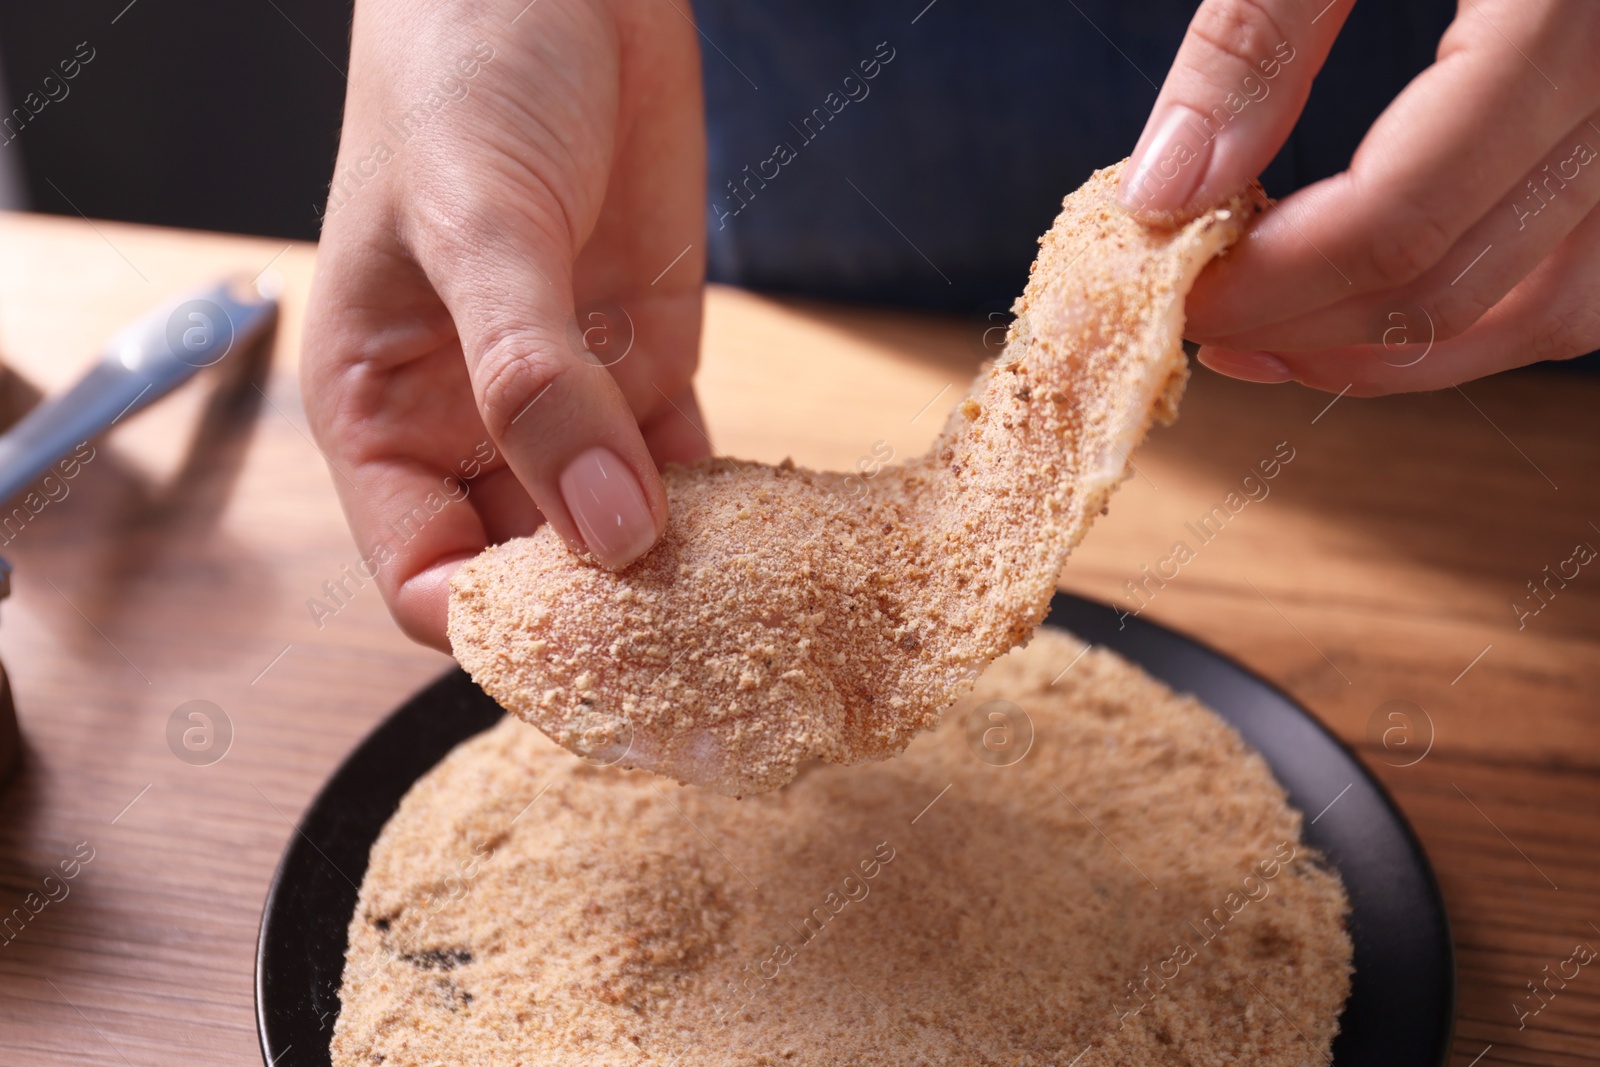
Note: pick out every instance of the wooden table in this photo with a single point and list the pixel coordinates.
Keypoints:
(1382, 567)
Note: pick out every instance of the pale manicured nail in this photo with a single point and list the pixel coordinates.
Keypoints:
(1166, 173)
(608, 506)
(1263, 367)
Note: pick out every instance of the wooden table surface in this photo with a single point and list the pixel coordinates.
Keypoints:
(1382, 567)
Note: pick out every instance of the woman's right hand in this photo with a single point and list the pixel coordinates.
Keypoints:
(505, 319)
(1463, 238)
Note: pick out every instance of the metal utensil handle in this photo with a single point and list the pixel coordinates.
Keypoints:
(146, 360)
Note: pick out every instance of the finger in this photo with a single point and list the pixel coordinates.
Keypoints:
(414, 519)
(375, 339)
(1235, 90)
(645, 258)
(677, 433)
(650, 345)
(503, 506)
(1407, 198)
(417, 504)
(417, 547)
(554, 411)
(1489, 260)
(1550, 315)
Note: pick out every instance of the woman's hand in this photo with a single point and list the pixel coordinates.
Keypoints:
(1464, 238)
(506, 312)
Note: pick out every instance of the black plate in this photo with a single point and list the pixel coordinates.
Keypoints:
(1402, 1001)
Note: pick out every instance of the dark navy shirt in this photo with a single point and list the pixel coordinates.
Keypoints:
(912, 153)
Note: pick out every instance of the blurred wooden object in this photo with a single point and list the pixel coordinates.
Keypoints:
(1381, 566)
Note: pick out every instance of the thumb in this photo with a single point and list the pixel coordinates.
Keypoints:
(1235, 91)
(551, 406)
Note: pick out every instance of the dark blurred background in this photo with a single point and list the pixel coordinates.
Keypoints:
(197, 113)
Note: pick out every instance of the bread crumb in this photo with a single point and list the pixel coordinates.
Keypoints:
(1071, 862)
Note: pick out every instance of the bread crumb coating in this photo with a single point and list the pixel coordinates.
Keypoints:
(780, 618)
(1076, 868)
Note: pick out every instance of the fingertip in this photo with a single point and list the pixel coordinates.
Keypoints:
(610, 503)
(1357, 371)
(1167, 167)
(1262, 367)
(1228, 104)
(571, 440)
(421, 603)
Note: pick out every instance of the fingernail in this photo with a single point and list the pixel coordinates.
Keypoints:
(609, 507)
(1263, 367)
(1166, 172)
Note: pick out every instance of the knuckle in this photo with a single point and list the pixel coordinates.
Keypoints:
(512, 372)
(1405, 246)
(1455, 311)
(456, 222)
(474, 211)
(1568, 332)
(446, 227)
(1242, 30)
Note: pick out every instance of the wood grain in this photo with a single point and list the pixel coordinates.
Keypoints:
(1380, 566)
